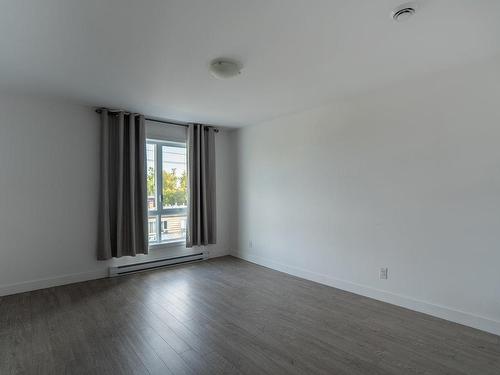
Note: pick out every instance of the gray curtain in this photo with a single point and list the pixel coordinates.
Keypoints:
(122, 206)
(201, 228)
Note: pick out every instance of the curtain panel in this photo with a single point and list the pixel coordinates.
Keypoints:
(201, 227)
(123, 198)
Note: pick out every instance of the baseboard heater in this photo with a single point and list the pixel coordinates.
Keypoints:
(151, 264)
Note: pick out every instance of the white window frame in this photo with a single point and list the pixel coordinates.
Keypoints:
(160, 211)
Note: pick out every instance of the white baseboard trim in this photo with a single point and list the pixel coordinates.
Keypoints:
(27, 286)
(217, 253)
(461, 317)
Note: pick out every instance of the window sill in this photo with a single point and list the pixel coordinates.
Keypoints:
(178, 243)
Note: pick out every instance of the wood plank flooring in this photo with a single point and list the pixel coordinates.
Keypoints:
(228, 316)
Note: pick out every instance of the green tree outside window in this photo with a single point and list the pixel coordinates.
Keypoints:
(174, 187)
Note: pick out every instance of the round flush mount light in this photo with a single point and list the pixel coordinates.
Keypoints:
(403, 12)
(223, 68)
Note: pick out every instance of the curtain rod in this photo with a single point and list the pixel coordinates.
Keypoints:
(169, 122)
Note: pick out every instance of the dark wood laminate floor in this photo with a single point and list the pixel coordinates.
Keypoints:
(227, 316)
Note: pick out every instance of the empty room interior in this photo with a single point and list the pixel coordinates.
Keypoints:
(250, 187)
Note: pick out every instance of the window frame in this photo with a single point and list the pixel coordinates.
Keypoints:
(160, 210)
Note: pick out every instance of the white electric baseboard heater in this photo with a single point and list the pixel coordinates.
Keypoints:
(151, 264)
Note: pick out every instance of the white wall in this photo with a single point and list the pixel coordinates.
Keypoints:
(49, 171)
(407, 177)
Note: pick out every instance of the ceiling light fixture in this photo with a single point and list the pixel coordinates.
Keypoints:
(403, 12)
(225, 68)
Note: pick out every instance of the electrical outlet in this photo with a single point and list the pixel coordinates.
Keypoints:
(250, 244)
(383, 273)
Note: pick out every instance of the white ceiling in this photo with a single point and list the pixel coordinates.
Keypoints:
(152, 55)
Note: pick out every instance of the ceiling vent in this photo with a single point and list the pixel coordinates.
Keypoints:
(403, 12)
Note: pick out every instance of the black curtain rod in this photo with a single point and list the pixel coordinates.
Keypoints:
(99, 110)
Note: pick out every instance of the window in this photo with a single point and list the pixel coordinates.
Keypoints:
(167, 191)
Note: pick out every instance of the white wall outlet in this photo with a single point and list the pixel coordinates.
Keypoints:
(383, 273)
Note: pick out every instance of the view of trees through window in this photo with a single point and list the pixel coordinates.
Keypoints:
(174, 189)
(166, 179)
